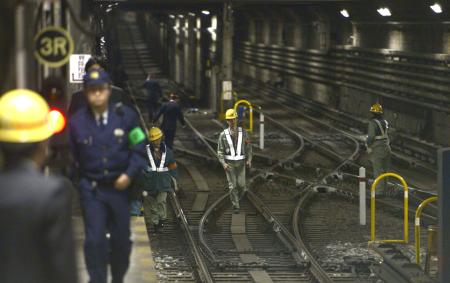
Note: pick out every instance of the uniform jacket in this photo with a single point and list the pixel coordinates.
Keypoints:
(374, 131)
(36, 241)
(104, 154)
(153, 89)
(171, 112)
(224, 149)
(160, 181)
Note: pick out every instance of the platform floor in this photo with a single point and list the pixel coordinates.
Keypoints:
(142, 267)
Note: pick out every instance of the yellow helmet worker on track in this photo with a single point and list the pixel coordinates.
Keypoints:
(230, 114)
(24, 117)
(154, 134)
(376, 108)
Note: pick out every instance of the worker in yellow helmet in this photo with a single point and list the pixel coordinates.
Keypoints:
(36, 243)
(378, 146)
(158, 177)
(235, 153)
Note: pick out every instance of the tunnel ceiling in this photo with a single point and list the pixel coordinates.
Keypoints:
(360, 10)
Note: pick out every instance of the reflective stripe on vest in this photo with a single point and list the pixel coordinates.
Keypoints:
(234, 154)
(161, 167)
(383, 135)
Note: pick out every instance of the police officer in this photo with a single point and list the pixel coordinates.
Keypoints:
(158, 175)
(78, 100)
(234, 152)
(109, 147)
(378, 146)
(172, 112)
(36, 241)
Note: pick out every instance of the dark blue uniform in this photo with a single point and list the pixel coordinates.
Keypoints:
(154, 93)
(172, 113)
(103, 152)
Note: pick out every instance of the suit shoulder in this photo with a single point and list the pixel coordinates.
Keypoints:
(78, 115)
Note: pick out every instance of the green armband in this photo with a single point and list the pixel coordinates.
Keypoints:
(136, 135)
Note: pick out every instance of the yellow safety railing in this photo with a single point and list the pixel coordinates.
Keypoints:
(250, 107)
(405, 209)
(417, 225)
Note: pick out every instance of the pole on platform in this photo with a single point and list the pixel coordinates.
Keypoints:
(444, 212)
(21, 51)
(261, 130)
(362, 196)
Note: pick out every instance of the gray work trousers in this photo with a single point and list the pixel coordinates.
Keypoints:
(158, 207)
(236, 181)
(380, 158)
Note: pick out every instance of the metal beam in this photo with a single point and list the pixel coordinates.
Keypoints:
(444, 212)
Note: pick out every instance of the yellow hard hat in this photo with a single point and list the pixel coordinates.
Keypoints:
(376, 108)
(24, 117)
(230, 114)
(154, 133)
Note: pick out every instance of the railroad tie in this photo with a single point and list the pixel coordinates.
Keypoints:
(240, 240)
(201, 198)
(260, 276)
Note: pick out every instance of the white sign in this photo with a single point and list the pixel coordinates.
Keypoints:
(227, 89)
(77, 63)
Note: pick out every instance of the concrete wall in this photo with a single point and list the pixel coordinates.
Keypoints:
(318, 33)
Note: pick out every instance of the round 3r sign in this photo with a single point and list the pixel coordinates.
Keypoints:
(53, 46)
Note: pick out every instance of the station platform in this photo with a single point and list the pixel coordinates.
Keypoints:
(142, 267)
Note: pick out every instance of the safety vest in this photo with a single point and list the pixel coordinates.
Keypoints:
(161, 167)
(383, 132)
(234, 154)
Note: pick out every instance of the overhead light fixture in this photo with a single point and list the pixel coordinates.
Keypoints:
(172, 16)
(345, 13)
(436, 8)
(191, 14)
(180, 16)
(385, 12)
(205, 12)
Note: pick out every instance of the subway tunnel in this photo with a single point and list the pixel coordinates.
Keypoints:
(340, 137)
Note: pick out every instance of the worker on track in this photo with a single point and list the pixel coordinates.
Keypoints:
(36, 240)
(154, 93)
(378, 146)
(108, 146)
(172, 113)
(158, 177)
(235, 153)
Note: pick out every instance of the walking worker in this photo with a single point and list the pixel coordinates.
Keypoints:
(154, 94)
(36, 240)
(234, 152)
(171, 112)
(158, 175)
(378, 146)
(109, 148)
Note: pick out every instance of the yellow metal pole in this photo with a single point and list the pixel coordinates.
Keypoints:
(405, 208)
(246, 102)
(417, 225)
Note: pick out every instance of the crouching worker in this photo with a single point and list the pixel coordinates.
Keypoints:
(158, 176)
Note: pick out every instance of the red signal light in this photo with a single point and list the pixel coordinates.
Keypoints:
(57, 120)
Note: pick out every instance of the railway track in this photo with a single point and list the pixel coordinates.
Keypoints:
(272, 240)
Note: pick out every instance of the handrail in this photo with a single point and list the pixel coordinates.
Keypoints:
(421, 206)
(405, 209)
(246, 102)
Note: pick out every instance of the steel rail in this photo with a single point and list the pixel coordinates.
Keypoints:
(201, 265)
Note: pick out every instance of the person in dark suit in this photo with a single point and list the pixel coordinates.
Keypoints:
(36, 240)
(78, 100)
(109, 147)
(154, 94)
(172, 113)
